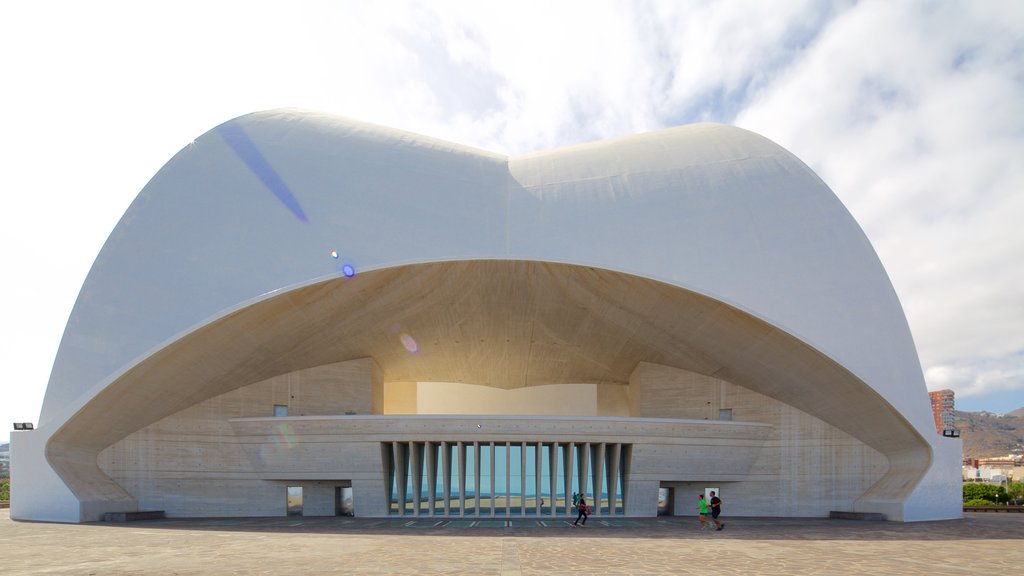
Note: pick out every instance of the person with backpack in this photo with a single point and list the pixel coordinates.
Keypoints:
(584, 511)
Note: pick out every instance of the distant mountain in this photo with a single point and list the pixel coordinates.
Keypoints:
(5, 447)
(986, 434)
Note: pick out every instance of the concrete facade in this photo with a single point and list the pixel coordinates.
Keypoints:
(226, 457)
(669, 280)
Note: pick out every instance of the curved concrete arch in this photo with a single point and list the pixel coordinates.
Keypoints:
(269, 206)
(518, 324)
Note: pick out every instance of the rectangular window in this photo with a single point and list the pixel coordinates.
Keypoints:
(725, 414)
(280, 410)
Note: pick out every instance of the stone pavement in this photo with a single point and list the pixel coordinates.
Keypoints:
(981, 543)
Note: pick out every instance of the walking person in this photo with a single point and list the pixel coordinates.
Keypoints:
(584, 512)
(702, 512)
(716, 509)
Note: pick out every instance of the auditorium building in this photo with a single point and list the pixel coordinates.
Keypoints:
(305, 314)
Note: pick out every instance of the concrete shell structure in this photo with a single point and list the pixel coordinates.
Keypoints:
(299, 300)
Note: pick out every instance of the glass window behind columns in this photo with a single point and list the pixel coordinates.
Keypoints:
(424, 474)
(453, 506)
(530, 489)
(409, 502)
(545, 478)
(619, 504)
(500, 479)
(484, 490)
(471, 492)
(438, 481)
(515, 479)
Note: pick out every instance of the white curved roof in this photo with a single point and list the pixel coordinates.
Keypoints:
(255, 207)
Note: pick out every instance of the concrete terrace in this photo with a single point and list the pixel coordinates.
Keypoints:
(979, 544)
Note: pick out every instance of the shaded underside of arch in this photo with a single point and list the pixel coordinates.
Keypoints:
(506, 324)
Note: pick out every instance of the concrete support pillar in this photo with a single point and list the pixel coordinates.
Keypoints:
(614, 456)
(624, 463)
(553, 477)
(583, 467)
(388, 461)
(522, 478)
(417, 475)
(446, 476)
(537, 479)
(462, 478)
(398, 450)
(431, 450)
(508, 477)
(597, 457)
(492, 479)
(568, 467)
(476, 477)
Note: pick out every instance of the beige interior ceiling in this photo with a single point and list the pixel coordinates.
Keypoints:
(505, 324)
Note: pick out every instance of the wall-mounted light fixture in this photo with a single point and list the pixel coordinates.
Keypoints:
(23, 426)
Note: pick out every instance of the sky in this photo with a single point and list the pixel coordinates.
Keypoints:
(912, 112)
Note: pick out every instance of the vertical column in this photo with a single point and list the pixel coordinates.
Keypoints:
(476, 476)
(508, 478)
(597, 458)
(614, 453)
(583, 469)
(431, 450)
(462, 479)
(568, 468)
(446, 476)
(624, 475)
(553, 477)
(522, 478)
(537, 475)
(387, 456)
(492, 480)
(416, 466)
(398, 450)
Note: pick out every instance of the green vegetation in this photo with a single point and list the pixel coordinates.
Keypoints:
(5, 489)
(978, 494)
(1016, 493)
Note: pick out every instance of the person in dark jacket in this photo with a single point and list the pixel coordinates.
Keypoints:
(584, 511)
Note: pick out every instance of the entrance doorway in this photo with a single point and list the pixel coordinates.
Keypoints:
(664, 501)
(294, 502)
(343, 501)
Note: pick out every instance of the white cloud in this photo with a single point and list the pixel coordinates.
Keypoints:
(913, 112)
(980, 378)
(914, 115)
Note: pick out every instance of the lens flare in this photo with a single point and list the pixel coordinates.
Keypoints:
(334, 254)
(285, 437)
(348, 270)
(410, 344)
(247, 151)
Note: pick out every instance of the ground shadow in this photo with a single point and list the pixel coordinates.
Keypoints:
(974, 526)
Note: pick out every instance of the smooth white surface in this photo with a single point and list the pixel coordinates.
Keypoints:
(37, 492)
(712, 209)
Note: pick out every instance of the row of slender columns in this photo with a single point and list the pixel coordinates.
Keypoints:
(606, 461)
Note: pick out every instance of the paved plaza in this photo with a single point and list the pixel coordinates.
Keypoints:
(981, 543)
